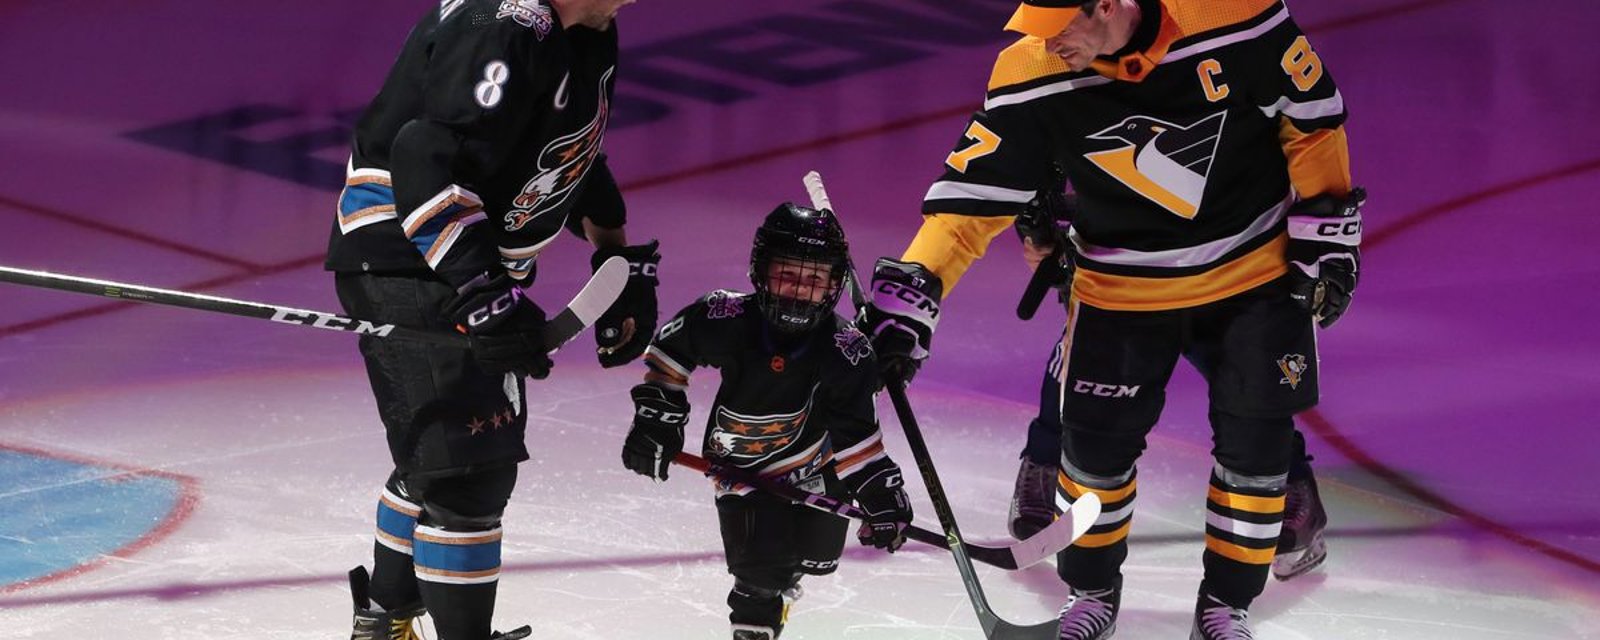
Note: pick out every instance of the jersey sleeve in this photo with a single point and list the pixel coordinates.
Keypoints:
(474, 80)
(697, 336)
(1295, 87)
(847, 409)
(600, 202)
(998, 165)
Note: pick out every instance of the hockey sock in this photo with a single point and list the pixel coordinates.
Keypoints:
(393, 583)
(1244, 515)
(458, 572)
(1095, 560)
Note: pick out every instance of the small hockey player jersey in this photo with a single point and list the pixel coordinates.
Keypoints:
(484, 138)
(1185, 150)
(784, 410)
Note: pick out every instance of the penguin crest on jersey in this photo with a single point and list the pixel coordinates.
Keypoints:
(1165, 162)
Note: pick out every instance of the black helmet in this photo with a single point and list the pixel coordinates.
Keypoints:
(813, 243)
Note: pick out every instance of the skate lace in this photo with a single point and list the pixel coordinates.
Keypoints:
(1040, 481)
(1086, 614)
(1297, 506)
(1222, 622)
(385, 628)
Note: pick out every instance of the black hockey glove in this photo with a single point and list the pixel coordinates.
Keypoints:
(880, 492)
(507, 328)
(1324, 254)
(623, 331)
(659, 414)
(901, 313)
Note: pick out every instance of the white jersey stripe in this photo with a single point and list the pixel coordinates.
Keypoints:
(947, 190)
(1195, 256)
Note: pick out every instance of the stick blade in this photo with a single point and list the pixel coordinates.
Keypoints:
(596, 297)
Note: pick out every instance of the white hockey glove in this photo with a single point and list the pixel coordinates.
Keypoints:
(900, 316)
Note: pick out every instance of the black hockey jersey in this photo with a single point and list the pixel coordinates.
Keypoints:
(1185, 151)
(485, 137)
(783, 410)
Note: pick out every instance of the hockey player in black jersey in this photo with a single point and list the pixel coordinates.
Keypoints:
(795, 405)
(482, 145)
(1216, 222)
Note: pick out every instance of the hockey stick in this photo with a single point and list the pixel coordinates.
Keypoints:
(1011, 557)
(593, 300)
(994, 627)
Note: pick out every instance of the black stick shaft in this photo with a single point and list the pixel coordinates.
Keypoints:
(941, 506)
(287, 315)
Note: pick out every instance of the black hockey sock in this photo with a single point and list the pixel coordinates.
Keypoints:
(460, 611)
(394, 582)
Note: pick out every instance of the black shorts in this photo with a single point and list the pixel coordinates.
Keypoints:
(444, 415)
(764, 535)
(1257, 351)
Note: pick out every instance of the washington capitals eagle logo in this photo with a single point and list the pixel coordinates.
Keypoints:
(1164, 162)
(562, 165)
(744, 439)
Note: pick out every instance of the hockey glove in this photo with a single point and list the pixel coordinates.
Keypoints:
(624, 330)
(659, 414)
(900, 316)
(1324, 254)
(880, 492)
(507, 328)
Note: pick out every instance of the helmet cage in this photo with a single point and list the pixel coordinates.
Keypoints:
(806, 242)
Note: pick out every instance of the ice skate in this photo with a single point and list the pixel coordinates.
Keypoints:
(1090, 615)
(1033, 500)
(1215, 620)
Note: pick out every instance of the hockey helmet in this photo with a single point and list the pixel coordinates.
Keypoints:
(813, 259)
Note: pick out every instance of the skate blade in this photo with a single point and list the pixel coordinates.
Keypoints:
(1294, 563)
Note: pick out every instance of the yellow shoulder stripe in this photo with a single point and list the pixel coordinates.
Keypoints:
(1197, 16)
(1023, 61)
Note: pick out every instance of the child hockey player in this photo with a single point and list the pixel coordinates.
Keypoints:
(795, 405)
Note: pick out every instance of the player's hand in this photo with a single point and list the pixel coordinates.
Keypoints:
(1325, 254)
(656, 436)
(880, 492)
(623, 331)
(507, 329)
(901, 313)
(1034, 254)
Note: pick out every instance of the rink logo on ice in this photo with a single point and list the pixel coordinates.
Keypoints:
(65, 515)
(1104, 390)
(693, 72)
(1293, 366)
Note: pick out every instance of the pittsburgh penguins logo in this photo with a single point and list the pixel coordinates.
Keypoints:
(744, 439)
(562, 165)
(1293, 366)
(1162, 161)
